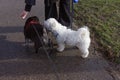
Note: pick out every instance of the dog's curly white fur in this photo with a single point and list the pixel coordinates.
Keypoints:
(79, 38)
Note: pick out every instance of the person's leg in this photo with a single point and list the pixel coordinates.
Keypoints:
(64, 13)
(50, 10)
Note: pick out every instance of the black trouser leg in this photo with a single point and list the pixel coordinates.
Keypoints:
(50, 10)
(64, 13)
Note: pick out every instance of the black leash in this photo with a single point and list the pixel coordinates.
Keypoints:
(72, 14)
(53, 64)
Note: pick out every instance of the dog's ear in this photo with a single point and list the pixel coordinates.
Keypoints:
(47, 25)
(50, 23)
(53, 24)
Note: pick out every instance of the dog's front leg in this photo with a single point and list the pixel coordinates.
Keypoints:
(84, 51)
(27, 41)
(61, 47)
(45, 36)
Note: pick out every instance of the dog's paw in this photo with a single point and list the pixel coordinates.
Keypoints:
(60, 49)
(85, 55)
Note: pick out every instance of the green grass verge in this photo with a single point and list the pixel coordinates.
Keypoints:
(103, 19)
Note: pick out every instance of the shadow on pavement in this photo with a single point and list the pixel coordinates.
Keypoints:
(11, 29)
(15, 61)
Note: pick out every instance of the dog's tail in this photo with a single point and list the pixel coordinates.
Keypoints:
(84, 32)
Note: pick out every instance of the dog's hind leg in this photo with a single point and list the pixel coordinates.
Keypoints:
(61, 47)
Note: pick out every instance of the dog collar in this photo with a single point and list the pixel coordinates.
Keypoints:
(55, 34)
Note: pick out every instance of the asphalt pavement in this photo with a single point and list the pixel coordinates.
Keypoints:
(17, 63)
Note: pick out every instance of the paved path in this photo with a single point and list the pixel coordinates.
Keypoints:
(18, 64)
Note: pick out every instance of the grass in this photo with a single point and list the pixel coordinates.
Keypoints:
(103, 19)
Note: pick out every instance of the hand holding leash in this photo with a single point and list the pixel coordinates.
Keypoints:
(24, 14)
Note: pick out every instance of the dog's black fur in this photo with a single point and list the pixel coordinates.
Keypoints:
(31, 28)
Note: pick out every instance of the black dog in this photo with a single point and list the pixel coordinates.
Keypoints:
(35, 31)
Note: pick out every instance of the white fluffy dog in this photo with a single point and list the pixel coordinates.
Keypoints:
(79, 38)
